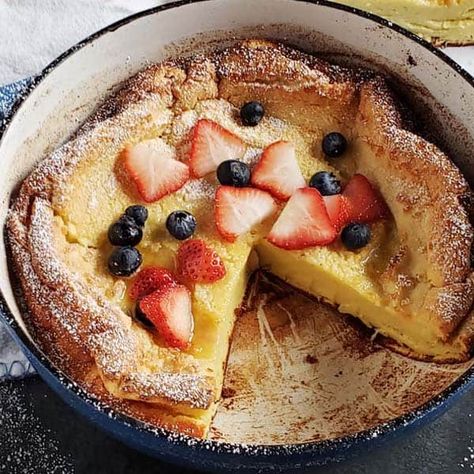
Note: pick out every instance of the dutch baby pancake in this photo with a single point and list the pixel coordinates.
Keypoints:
(134, 241)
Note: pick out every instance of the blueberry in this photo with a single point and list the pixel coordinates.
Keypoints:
(355, 235)
(125, 232)
(123, 261)
(252, 113)
(233, 173)
(141, 317)
(181, 224)
(138, 213)
(334, 144)
(326, 183)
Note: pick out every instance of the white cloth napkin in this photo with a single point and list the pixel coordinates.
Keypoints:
(33, 33)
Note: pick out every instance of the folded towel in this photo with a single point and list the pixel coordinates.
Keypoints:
(13, 364)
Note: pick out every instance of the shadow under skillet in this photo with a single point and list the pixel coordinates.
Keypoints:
(47, 437)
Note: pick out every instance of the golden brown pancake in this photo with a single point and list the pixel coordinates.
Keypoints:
(412, 283)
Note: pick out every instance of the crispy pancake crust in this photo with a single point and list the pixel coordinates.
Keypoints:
(97, 344)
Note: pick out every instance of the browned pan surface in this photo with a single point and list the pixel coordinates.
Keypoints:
(299, 371)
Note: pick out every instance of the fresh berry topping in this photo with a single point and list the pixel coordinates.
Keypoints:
(154, 170)
(336, 206)
(124, 261)
(211, 145)
(181, 224)
(238, 210)
(252, 113)
(127, 220)
(278, 172)
(326, 183)
(199, 263)
(355, 235)
(334, 144)
(364, 202)
(148, 280)
(233, 173)
(138, 213)
(125, 232)
(169, 309)
(304, 222)
(140, 316)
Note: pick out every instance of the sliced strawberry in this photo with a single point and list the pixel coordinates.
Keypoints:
(152, 167)
(365, 204)
(278, 171)
(199, 263)
(336, 205)
(238, 210)
(169, 309)
(211, 145)
(304, 222)
(148, 280)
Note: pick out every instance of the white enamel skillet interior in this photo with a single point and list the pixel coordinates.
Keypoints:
(72, 86)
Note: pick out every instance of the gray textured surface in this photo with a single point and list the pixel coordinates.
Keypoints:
(50, 433)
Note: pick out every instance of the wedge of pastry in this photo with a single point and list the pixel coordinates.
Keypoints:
(443, 22)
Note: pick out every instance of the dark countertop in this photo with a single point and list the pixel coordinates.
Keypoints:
(40, 434)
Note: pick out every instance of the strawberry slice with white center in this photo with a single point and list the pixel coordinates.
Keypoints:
(169, 309)
(304, 222)
(211, 145)
(238, 210)
(364, 202)
(337, 207)
(152, 166)
(278, 171)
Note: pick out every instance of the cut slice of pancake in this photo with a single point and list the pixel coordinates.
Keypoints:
(412, 282)
(439, 21)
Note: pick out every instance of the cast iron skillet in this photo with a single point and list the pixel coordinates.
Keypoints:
(211, 455)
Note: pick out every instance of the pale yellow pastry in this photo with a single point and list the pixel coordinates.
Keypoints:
(439, 21)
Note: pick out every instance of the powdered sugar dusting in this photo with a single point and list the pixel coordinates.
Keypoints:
(198, 189)
(468, 460)
(93, 203)
(435, 185)
(181, 388)
(28, 447)
(183, 124)
(276, 124)
(252, 155)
